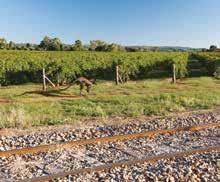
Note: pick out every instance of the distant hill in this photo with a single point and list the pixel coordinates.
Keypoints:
(161, 48)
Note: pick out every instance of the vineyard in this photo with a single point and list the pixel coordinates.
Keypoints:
(26, 66)
(209, 62)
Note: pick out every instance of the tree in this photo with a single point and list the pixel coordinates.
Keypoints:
(213, 48)
(93, 45)
(51, 44)
(155, 49)
(3, 43)
(11, 45)
(55, 45)
(67, 47)
(44, 44)
(97, 45)
(115, 48)
(28, 45)
(78, 46)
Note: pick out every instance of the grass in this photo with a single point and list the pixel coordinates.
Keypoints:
(22, 106)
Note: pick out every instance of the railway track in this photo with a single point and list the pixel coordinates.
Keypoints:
(125, 163)
(45, 148)
(118, 144)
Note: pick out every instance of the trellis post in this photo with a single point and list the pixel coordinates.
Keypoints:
(44, 80)
(174, 74)
(117, 74)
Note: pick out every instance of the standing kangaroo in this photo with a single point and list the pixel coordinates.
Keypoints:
(83, 82)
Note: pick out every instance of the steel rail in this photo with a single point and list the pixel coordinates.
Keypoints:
(151, 159)
(50, 147)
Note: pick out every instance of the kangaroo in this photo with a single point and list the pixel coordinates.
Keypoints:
(83, 82)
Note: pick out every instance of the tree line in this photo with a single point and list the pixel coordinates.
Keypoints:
(55, 44)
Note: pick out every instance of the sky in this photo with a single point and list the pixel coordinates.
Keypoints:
(193, 23)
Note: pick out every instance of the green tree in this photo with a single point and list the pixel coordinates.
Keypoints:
(115, 48)
(44, 44)
(78, 46)
(51, 44)
(28, 45)
(97, 45)
(213, 48)
(55, 45)
(3, 43)
(11, 45)
(67, 47)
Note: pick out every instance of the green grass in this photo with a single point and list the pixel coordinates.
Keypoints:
(20, 106)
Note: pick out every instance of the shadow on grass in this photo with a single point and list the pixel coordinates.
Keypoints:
(5, 101)
(50, 93)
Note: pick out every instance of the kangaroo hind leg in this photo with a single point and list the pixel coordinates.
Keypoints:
(88, 88)
(81, 89)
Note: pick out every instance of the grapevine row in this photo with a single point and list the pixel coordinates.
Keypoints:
(69, 65)
(209, 60)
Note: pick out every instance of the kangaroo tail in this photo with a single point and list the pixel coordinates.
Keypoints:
(70, 85)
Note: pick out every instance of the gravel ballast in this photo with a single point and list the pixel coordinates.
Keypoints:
(33, 165)
(59, 136)
(198, 167)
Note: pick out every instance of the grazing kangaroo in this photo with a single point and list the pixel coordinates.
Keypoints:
(82, 82)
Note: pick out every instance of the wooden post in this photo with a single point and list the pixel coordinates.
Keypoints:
(117, 75)
(120, 79)
(174, 74)
(44, 80)
(49, 81)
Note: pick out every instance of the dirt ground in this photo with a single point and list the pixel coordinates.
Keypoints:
(88, 123)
